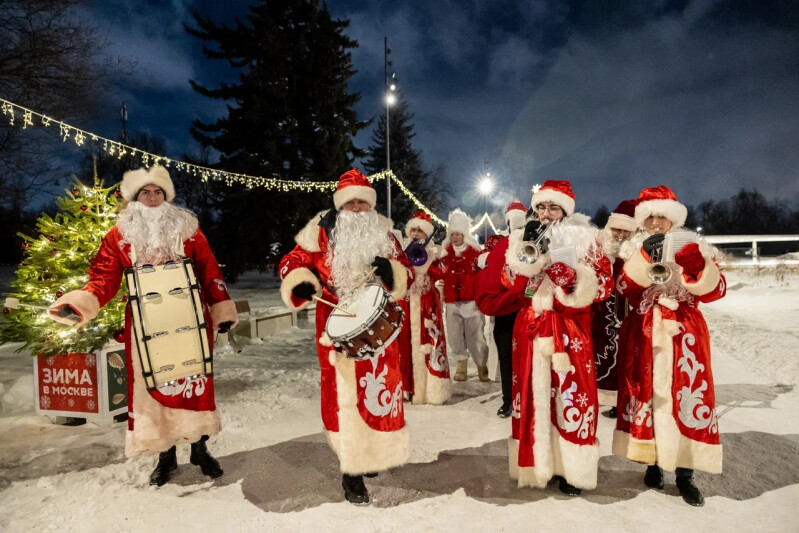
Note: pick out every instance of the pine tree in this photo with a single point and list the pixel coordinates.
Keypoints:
(56, 262)
(290, 115)
(406, 163)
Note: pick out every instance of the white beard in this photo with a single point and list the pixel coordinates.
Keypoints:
(156, 234)
(355, 242)
(610, 246)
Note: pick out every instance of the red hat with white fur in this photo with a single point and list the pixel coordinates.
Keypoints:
(354, 185)
(623, 217)
(134, 180)
(515, 215)
(420, 220)
(660, 201)
(558, 192)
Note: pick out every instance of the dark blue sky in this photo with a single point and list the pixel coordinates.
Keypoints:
(613, 95)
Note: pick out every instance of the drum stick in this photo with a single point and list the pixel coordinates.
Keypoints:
(331, 304)
(13, 303)
(366, 278)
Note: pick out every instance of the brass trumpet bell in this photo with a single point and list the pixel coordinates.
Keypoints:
(659, 273)
(529, 252)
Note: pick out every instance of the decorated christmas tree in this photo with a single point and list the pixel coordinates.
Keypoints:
(56, 262)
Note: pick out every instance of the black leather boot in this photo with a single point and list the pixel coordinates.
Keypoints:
(654, 477)
(610, 413)
(167, 463)
(354, 489)
(200, 457)
(504, 411)
(568, 489)
(689, 492)
(371, 474)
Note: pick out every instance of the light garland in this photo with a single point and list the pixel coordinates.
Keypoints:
(480, 222)
(118, 149)
(114, 148)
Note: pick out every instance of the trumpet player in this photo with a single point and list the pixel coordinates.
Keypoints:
(553, 425)
(607, 315)
(428, 349)
(666, 400)
(464, 321)
(362, 407)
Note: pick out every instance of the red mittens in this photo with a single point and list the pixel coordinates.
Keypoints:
(690, 259)
(561, 274)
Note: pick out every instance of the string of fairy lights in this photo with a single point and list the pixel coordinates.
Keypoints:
(17, 114)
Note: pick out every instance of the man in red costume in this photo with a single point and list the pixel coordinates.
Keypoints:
(607, 315)
(515, 217)
(554, 390)
(465, 323)
(361, 399)
(151, 230)
(666, 402)
(430, 367)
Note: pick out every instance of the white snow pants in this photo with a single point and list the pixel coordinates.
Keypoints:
(465, 332)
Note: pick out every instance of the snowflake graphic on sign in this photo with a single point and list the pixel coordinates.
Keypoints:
(91, 360)
(44, 402)
(90, 405)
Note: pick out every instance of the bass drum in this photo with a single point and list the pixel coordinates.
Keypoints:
(169, 326)
(377, 322)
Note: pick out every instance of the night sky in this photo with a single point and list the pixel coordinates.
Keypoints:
(702, 96)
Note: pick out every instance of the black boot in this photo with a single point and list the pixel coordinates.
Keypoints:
(504, 411)
(654, 477)
(167, 463)
(568, 489)
(354, 489)
(611, 413)
(371, 474)
(200, 456)
(689, 492)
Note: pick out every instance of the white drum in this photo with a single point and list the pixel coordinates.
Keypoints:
(169, 326)
(377, 322)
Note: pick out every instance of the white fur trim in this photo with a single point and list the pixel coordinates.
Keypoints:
(481, 260)
(353, 192)
(640, 451)
(544, 296)
(512, 257)
(637, 269)
(325, 341)
(561, 362)
(578, 463)
(674, 211)
(515, 219)
(422, 224)
(400, 280)
(539, 475)
(585, 288)
(468, 240)
(308, 237)
(361, 449)
(224, 311)
(621, 221)
(134, 180)
(673, 449)
(84, 302)
(556, 197)
(427, 388)
(513, 458)
(707, 282)
(157, 428)
(294, 278)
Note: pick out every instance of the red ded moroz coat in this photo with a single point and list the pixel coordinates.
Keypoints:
(666, 402)
(362, 401)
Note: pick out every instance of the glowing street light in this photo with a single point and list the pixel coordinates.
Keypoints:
(486, 185)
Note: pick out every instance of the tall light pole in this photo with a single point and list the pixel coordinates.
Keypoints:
(486, 186)
(389, 101)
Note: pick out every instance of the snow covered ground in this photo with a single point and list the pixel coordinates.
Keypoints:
(281, 476)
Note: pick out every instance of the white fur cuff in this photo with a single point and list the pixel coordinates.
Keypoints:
(400, 280)
(82, 301)
(294, 278)
(637, 269)
(585, 289)
(707, 282)
(560, 362)
(512, 257)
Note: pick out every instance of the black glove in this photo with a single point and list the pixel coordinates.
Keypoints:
(653, 243)
(224, 327)
(304, 291)
(384, 270)
(532, 230)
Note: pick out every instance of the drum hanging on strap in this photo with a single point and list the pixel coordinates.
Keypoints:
(377, 322)
(169, 326)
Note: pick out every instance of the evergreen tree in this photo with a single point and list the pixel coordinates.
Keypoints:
(56, 262)
(290, 116)
(406, 163)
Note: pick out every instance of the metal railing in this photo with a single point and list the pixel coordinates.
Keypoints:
(754, 240)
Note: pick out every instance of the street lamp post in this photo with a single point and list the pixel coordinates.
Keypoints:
(486, 186)
(390, 99)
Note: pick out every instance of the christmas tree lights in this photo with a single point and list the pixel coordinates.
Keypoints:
(56, 262)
